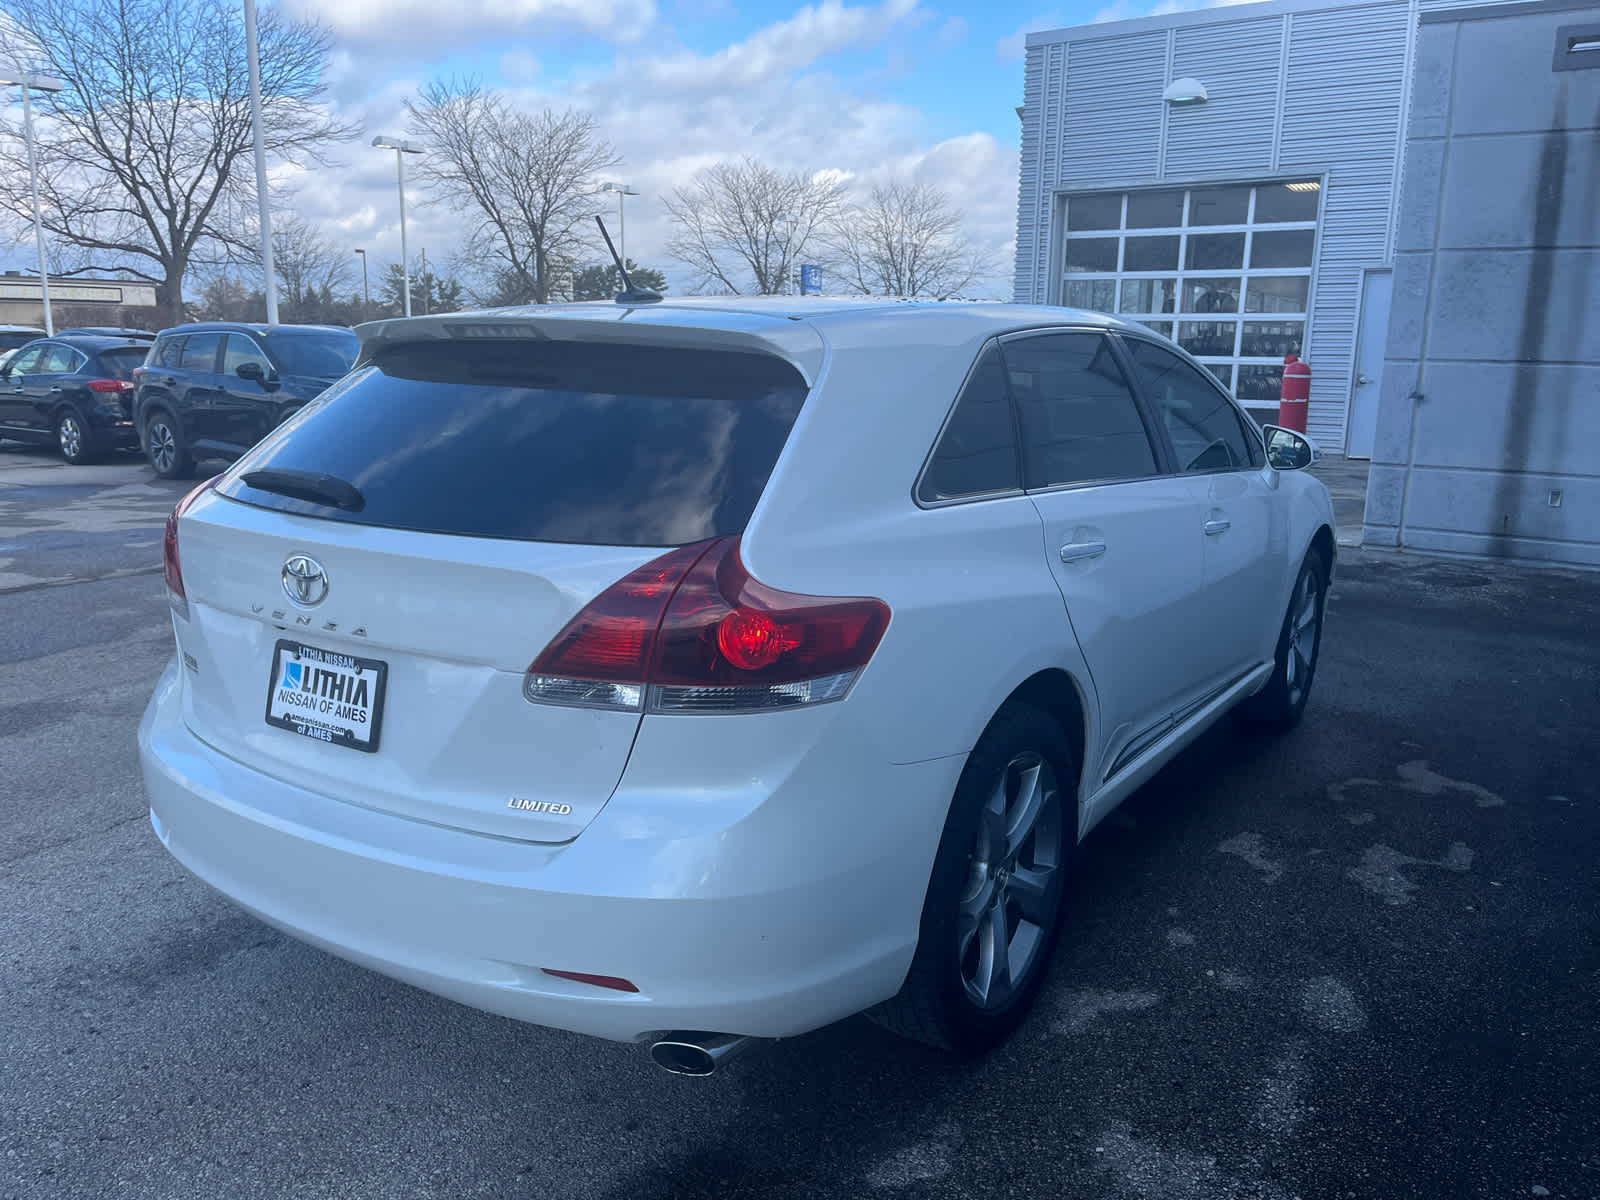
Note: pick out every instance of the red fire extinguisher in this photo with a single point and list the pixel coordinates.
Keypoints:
(1295, 397)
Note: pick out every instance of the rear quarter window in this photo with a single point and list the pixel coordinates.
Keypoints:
(609, 444)
(119, 364)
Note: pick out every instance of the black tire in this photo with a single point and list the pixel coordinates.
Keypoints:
(939, 1003)
(165, 448)
(1278, 707)
(74, 438)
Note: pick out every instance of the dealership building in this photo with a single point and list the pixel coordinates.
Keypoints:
(1404, 193)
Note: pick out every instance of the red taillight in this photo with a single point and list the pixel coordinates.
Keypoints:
(615, 982)
(692, 631)
(171, 565)
(110, 385)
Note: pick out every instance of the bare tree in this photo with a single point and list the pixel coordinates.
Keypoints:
(308, 265)
(144, 159)
(528, 179)
(906, 241)
(744, 226)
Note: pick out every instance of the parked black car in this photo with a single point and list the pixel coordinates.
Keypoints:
(213, 390)
(72, 390)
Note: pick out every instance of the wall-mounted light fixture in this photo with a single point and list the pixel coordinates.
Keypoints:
(1187, 90)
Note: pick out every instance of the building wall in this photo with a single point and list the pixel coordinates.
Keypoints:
(1296, 89)
(78, 301)
(1490, 397)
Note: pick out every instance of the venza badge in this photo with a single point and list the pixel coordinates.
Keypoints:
(304, 580)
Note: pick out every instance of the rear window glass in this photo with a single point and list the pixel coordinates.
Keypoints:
(325, 355)
(552, 441)
(119, 364)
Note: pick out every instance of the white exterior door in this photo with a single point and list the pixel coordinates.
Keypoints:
(1369, 363)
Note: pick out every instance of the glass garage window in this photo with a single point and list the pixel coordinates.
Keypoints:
(1224, 270)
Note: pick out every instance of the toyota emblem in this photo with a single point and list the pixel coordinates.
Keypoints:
(304, 580)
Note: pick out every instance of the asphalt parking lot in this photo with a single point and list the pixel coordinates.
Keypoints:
(1361, 961)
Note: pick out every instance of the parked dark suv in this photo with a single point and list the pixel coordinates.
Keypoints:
(213, 390)
(75, 391)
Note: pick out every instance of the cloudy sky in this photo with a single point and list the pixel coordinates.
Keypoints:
(922, 89)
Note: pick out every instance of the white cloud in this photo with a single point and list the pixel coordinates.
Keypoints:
(519, 66)
(429, 24)
(814, 32)
(1014, 47)
(1126, 10)
(763, 96)
(951, 34)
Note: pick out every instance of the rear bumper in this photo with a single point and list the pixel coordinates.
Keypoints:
(109, 431)
(738, 929)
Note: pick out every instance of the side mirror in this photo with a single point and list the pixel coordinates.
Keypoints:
(251, 371)
(1288, 450)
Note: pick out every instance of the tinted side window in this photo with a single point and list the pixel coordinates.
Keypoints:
(59, 360)
(242, 349)
(119, 364)
(27, 362)
(167, 352)
(977, 452)
(1079, 419)
(1200, 420)
(200, 352)
(552, 441)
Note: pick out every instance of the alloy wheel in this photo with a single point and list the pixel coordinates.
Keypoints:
(1008, 902)
(71, 437)
(1305, 616)
(163, 446)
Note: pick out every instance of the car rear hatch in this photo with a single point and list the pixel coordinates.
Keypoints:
(366, 590)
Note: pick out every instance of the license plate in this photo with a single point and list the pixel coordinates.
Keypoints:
(321, 694)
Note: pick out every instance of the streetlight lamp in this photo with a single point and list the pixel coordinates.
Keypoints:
(623, 191)
(401, 148)
(254, 56)
(366, 293)
(31, 83)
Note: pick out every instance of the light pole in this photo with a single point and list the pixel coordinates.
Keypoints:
(254, 55)
(30, 83)
(401, 148)
(623, 191)
(366, 293)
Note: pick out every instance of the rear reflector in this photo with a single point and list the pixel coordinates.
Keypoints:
(170, 562)
(614, 982)
(693, 631)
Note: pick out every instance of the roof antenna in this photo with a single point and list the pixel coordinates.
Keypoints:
(629, 294)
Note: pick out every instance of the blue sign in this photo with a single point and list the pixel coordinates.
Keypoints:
(810, 279)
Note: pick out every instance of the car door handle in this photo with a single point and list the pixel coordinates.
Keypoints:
(1363, 380)
(1079, 551)
(1215, 527)
(57, 388)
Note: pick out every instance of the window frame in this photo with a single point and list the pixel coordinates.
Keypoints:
(989, 343)
(1254, 439)
(216, 355)
(1160, 451)
(267, 361)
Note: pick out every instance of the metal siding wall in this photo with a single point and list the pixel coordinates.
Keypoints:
(1341, 116)
(1031, 239)
(1232, 132)
(1113, 110)
(1042, 138)
(1099, 124)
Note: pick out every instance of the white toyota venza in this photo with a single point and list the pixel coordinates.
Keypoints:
(693, 672)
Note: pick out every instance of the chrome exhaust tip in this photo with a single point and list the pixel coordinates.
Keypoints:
(687, 1052)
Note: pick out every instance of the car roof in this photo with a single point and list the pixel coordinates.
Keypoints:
(713, 312)
(795, 327)
(93, 343)
(261, 328)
